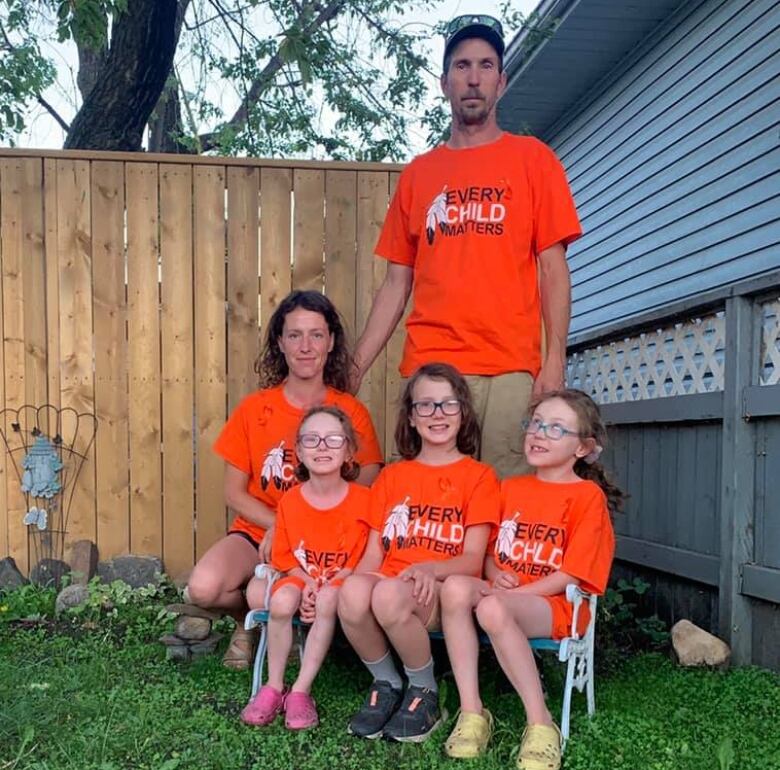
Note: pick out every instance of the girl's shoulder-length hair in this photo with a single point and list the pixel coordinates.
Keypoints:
(407, 439)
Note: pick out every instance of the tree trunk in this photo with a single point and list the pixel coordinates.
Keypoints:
(166, 124)
(131, 80)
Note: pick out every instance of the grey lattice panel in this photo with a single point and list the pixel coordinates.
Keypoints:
(676, 360)
(770, 343)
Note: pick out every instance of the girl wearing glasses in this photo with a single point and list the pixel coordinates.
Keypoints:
(317, 543)
(555, 531)
(305, 362)
(430, 517)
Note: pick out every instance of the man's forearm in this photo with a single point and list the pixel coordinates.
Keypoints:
(389, 304)
(555, 295)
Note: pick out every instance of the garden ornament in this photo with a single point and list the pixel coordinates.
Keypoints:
(41, 468)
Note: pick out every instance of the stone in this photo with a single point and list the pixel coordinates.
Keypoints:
(10, 577)
(71, 596)
(193, 611)
(192, 629)
(49, 572)
(136, 571)
(206, 647)
(694, 646)
(83, 561)
(178, 652)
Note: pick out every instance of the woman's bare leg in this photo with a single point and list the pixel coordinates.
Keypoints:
(219, 578)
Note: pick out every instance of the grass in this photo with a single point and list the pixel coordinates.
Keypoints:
(83, 694)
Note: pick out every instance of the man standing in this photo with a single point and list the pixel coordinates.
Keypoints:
(478, 229)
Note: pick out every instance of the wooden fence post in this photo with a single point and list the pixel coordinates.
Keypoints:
(737, 479)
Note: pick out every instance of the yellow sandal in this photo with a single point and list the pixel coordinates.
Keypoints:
(241, 650)
(540, 748)
(471, 735)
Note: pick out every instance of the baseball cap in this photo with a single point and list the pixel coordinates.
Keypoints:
(474, 25)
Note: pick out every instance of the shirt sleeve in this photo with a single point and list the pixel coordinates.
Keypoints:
(484, 501)
(396, 241)
(555, 216)
(590, 545)
(282, 557)
(232, 444)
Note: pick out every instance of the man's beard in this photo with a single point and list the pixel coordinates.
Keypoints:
(474, 118)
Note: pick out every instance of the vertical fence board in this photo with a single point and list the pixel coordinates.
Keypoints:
(11, 229)
(372, 206)
(52, 279)
(308, 229)
(34, 282)
(111, 407)
(144, 357)
(176, 321)
(340, 239)
(3, 373)
(275, 243)
(242, 288)
(210, 353)
(77, 387)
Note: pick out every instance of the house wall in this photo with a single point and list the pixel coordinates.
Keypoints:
(675, 164)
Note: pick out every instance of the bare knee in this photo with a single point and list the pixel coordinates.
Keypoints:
(354, 599)
(255, 594)
(390, 602)
(492, 615)
(457, 593)
(327, 602)
(284, 603)
(204, 588)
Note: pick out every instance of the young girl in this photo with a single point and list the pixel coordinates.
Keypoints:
(317, 543)
(431, 515)
(555, 531)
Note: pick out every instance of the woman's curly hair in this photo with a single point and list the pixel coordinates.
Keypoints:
(272, 367)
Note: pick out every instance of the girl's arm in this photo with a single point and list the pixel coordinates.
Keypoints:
(238, 499)
(373, 556)
(550, 585)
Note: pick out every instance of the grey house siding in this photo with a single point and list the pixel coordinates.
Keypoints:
(675, 165)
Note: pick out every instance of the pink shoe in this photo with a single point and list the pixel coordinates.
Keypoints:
(300, 711)
(264, 707)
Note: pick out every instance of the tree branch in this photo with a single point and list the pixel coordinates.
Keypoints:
(275, 63)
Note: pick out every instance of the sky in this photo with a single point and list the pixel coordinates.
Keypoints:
(44, 132)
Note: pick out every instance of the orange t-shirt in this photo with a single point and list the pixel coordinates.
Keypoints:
(547, 527)
(321, 542)
(471, 223)
(259, 439)
(422, 511)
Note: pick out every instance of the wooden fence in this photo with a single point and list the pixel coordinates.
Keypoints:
(136, 287)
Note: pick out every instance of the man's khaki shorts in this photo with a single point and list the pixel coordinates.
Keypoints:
(501, 403)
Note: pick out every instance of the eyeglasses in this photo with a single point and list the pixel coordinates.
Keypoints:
(450, 407)
(553, 431)
(461, 22)
(313, 440)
